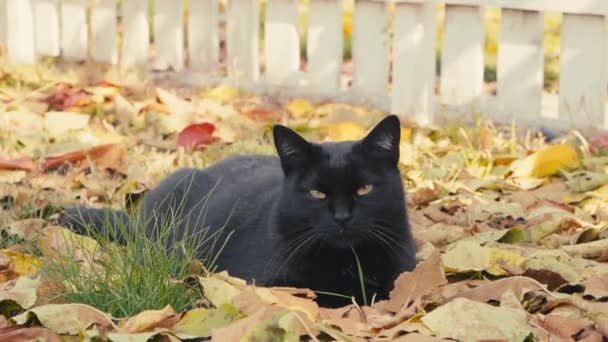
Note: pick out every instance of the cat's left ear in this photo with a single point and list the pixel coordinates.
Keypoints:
(293, 150)
(383, 140)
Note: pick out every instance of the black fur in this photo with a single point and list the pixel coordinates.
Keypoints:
(283, 235)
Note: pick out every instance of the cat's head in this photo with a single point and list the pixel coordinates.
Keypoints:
(345, 193)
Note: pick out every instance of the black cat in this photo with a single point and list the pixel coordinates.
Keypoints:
(317, 217)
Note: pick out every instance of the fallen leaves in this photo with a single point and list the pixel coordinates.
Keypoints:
(512, 234)
(409, 287)
(467, 320)
(196, 135)
(546, 162)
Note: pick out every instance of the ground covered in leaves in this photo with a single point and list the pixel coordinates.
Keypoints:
(511, 228)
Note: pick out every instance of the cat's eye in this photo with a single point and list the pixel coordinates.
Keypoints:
(364, 190)
(318, 194)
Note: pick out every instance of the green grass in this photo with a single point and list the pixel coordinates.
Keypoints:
(142, 274)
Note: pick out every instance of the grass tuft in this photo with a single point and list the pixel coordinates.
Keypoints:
(138, 274)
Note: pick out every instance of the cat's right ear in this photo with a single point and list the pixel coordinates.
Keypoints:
(291, 147)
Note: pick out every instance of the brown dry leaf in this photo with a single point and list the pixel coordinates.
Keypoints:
(147, 320)
(410, 286)
(467, 320)
(591, 250)
(59, 242)
(285, 298)
(423, 196)
(28, 229)
(415, 337)
(18, 333)
(494, 290)
(66, 318)
(565, 327)
(597, 287)
(21, 291)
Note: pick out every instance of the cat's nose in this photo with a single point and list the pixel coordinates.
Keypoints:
(342, 217)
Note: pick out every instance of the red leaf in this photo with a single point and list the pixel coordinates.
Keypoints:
(74, 157)
(261, 114)
(24, 163)
(65, 96)
(196, 135)
(598, 143)
(108, 84)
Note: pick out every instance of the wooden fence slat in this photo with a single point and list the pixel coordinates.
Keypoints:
(3, 23)
(103, 26)
(74, 37)
(203, 35)
(281, 41)
(371, 44)
(20, 32)
(520, 65)
(325, 43)
(462, 60)
(136, 32)
(582, 82)
(169, 34)
(46, 21)
(414, 61)
(243, 39)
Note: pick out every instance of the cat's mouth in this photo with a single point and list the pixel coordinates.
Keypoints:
(345, 238)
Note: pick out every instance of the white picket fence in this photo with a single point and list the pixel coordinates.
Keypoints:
(30, 28)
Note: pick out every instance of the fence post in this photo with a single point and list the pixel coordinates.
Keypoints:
(203, 35)
(103, 27)
(414, 60)
(520, 65)
(136, 32)
(582, 81)
(169, 34)
(3, 24)
(243, 39)
(281, 40)
(371, 44)
(20, 32)
(462, 61)
(325, 41)
(46, 22)
(74, 35)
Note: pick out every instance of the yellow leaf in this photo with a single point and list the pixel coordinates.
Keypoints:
(406, 134)
(223, 93)
(465, 256)
(345, 130)
(546, 162)
(500, 257)
(199, 322)
(218, 291)
(300, 108)
(23, 264)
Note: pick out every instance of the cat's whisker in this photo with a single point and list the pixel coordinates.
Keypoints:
(386, 240)
(293, 255)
